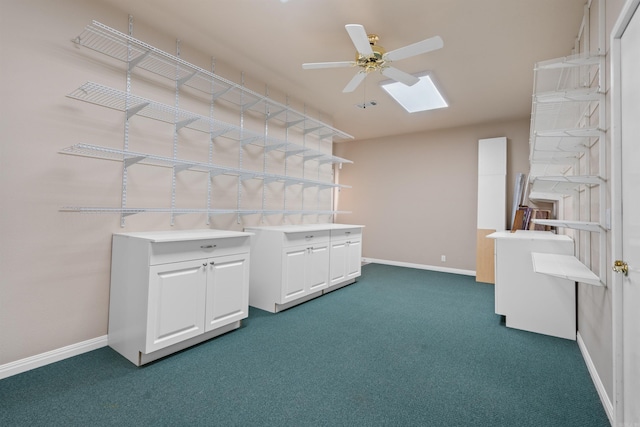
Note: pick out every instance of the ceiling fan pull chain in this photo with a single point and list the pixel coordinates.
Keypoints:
(364, 95)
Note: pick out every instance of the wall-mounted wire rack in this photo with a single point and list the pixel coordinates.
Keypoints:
(139, 55)
(130, 158)
(120, 46)
(567, 123)
(132, 105)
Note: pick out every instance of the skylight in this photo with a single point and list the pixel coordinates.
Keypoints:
(422, 96)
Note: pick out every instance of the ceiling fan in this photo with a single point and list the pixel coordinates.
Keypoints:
(371, 57)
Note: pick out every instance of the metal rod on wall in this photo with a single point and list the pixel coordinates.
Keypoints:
(123, 200)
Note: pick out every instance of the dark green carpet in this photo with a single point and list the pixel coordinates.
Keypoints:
(401, 347)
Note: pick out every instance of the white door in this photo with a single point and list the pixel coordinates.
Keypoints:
(293, 266)
(354, 259)
(338, 264)
(627, 248)
(317, 268)
(227, 290)
(176, 303)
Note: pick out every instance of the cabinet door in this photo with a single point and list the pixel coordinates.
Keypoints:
(317, 267)
(354, 259)
(176, 303)
(293, 273)
(227, 290)
(338, 269)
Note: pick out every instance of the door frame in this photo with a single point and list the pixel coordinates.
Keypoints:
(630, 7)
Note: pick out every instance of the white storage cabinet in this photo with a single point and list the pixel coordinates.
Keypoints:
(346, 256)
(174, 289)
(296, 263)
(531, 301)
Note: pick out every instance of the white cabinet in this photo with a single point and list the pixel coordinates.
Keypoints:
(305, 268)
(492, 188)
(171, 290)
(528, 300)
(227, 290)
(175, 306)
(346, 255)
(293, 264)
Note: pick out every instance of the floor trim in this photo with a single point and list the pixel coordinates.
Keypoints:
(33, 362)
(420, 266)
(602, 392)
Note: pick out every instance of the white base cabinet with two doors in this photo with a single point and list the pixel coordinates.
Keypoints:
(173, 289)
(295, 263)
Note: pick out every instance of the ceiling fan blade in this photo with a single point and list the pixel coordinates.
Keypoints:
(359, 38)
(355, 81)
(314, 65)
(400, 76)
(414, 49)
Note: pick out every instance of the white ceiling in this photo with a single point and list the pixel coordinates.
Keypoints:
(484, 70)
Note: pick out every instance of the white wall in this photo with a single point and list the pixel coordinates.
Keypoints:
(595, 320)
(55, 266)
(417, 193)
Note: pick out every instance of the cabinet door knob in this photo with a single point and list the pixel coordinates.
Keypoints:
(211, 263)
(309, 237)
(204, 264)
(207, 246)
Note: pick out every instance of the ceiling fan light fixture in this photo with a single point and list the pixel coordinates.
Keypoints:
(374, 61)
(371, 57)
(422, 96)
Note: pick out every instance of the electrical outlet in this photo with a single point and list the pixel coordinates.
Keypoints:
(443, 258)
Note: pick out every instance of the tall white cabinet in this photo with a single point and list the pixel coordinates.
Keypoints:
(492, 189)
(174, 289)
(295, 263)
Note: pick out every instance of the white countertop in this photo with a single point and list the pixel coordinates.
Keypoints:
(304, 227)
(178, 235)
(529, 235)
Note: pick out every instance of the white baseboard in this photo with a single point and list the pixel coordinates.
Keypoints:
(602, 392)
(420, 266)
(33, 362)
